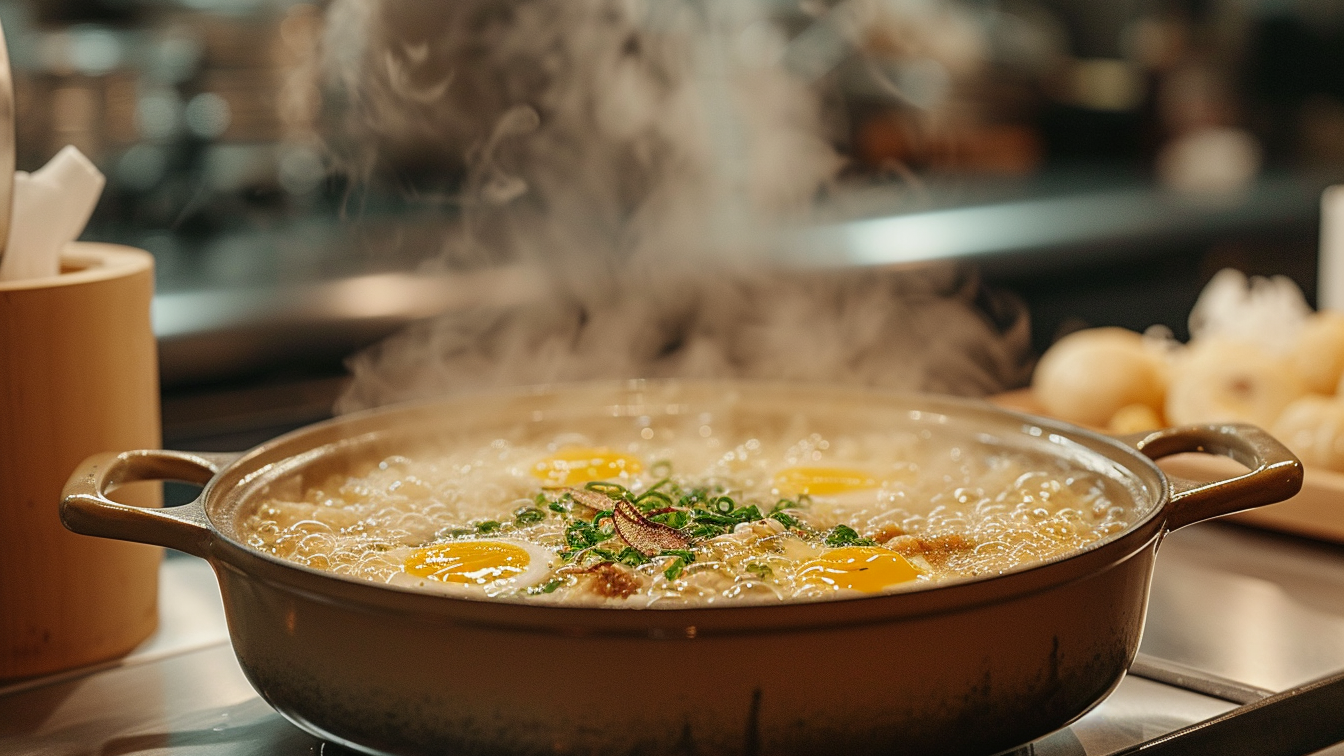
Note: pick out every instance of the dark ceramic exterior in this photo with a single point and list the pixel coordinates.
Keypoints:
(973, 667)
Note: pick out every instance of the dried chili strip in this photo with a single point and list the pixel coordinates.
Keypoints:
(644, 535)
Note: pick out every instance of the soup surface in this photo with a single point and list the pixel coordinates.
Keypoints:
(691, 512)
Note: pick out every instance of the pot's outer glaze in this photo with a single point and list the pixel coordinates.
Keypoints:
(972, 667)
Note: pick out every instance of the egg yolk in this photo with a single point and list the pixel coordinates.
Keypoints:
(579, 465)
(469, 562)
(858, 568)
(823, 481)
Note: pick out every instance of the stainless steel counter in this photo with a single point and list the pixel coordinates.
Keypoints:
(1261, 609)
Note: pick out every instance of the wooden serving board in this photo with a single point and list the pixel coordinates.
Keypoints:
(1316, 512)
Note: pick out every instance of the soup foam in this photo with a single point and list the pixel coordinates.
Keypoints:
(780, 514)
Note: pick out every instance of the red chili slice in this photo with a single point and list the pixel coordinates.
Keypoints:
(644, 535)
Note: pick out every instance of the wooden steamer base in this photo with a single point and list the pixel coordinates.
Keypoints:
(78, 375)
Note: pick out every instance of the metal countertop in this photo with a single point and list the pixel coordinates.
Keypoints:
(1261, 609)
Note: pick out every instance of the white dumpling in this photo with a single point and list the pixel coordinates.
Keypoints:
(1313, 427)
(1317, 354)
(1087, 376)
(1134, 418)
(1220, 380)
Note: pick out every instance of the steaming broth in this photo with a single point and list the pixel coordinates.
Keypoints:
(690, 515)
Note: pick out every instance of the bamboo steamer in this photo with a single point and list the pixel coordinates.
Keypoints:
(78, 375)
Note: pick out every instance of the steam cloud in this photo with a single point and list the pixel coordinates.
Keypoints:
(902, 331)
(641, 154)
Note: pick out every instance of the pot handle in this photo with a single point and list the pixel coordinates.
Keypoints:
(1275, 473)
(86, 509)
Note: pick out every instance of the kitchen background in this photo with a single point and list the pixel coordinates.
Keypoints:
(1093, 162)
(1079, 162)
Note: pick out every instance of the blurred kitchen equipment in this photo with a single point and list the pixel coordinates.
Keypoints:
(7, 145)
(1330, 281)
(77, 376)
(402, 671)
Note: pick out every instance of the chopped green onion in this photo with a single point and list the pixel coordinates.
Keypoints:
(658, 496)
(749, 513)
(673, 570)
(614, 490)
(581, 535)
(761, 571)
(843, 535)
(686, 555)
(548, 587)
(787, 520)
(489, 526)
(632, 557)
(694, 497)
(676, 519)
(525, 516)
(706, 531)
(705, 518)
(724, 505)
(662, 468)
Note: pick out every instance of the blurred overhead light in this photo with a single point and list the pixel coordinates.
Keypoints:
(158, 113)
(208, 115)
(301, 169)
(1106, 84)
(141, 167)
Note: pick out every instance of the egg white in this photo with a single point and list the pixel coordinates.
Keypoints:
(540, 562)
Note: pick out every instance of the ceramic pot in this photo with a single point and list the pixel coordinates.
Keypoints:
(971, 666)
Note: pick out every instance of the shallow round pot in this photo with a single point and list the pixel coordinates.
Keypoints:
(975, 666)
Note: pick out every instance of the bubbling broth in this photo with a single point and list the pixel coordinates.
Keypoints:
(641, 514)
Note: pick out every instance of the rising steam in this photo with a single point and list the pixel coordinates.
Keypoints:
(908, 331)
(641, 154)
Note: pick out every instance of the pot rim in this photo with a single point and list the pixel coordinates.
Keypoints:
(205, 526)
(952, 595)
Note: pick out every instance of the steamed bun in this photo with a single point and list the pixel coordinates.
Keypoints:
(1221, 380)
(1313, 427)
(1089, 375)
(1134, 418)
(1317, 354)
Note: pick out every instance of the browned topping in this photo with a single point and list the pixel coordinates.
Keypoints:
(888, 532)
(611, 580)
(589, 503)
(935, 549)
(905, 545)
(644, 535)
